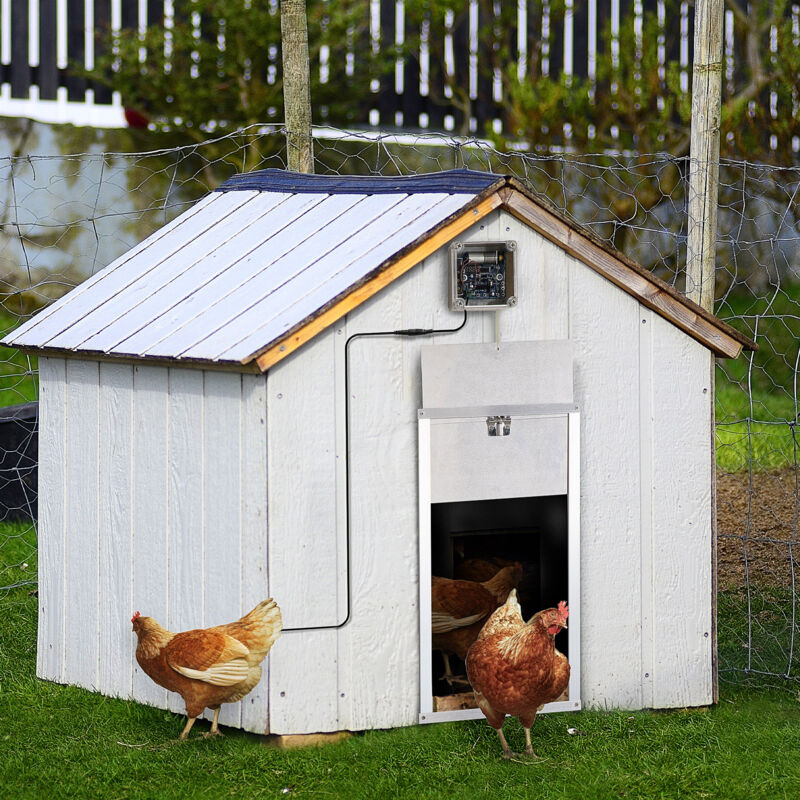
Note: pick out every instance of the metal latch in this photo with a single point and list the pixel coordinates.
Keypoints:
(498, 426)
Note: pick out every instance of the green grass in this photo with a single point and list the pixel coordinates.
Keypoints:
(63, 742)
(17, 371)
(18, 554)
(756, 632)
(762, 435)
(755, 401)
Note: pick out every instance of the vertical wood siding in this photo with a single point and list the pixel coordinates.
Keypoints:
(186, 488)
(150, 532)
(115, 508)
(681, 491)
(306, 540)
(81, 523)
(155, 501)
(605, 334)
(253, 521)
(52, 510)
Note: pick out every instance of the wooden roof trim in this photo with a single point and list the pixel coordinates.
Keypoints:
(137, 360)
(390, 270)
(649, 290)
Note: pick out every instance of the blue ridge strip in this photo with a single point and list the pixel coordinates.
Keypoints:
(456, 181)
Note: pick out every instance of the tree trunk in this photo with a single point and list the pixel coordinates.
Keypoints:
(296, 86)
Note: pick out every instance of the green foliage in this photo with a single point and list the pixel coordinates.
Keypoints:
(637, 103)
(748, 119)
(217, 65)
(631, 103)
(774, 320)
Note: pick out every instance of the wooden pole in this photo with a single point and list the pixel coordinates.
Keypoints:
(296, 86)
(702, 233)
(704, 152)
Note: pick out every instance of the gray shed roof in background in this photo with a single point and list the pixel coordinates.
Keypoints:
(247, 263)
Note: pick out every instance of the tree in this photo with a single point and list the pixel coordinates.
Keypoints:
(215, 67)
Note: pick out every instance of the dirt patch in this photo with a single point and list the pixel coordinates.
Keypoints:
(757, 528)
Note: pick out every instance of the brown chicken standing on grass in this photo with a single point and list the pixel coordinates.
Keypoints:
(459, 609)
(208, 666)
(514, 667)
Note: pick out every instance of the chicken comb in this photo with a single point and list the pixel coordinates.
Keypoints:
(135, 616)
(563, 611)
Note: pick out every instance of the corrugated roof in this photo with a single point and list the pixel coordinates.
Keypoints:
(258, 267)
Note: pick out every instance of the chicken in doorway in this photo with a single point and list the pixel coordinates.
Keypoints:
(460, 608)
(515, 668)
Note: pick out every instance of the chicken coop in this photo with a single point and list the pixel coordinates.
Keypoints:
(328, 390)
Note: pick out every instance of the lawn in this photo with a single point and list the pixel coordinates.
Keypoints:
(59, 741)
(17, 371)
(757, 393)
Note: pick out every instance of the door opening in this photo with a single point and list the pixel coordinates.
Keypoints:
(473, 540)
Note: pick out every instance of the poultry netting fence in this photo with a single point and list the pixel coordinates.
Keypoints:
(66, 216)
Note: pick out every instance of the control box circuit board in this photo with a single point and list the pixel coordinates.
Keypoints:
(482, 275)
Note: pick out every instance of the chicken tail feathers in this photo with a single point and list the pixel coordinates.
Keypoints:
(444, 623)
(508, 617)
(264, 623)
(266, 608)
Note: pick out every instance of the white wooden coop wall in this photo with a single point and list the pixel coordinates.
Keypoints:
(153, 499)
(642, 386)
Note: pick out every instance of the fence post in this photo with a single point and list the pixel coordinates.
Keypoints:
(701, 246)
(296, 86)
(704, 153)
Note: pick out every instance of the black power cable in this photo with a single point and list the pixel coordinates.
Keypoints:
(403, 332)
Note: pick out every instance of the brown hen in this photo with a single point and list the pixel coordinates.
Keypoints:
(460, 608)
(514, 667)
(208, 666)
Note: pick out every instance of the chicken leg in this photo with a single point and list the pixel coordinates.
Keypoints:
(496, 720)
(528, 745)
(527, 723)
(189, 723)
(504, 744)
(215, 731)
(448, 676)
